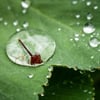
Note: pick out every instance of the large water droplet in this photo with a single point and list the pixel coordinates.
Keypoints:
(25, 4)
(36, 50)
(88, 28)
(94, 42)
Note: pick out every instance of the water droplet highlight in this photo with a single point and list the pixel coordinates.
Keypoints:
(30, 76)
(88, 28)
(77, 16)
(94, 42)
(26, 24)
(25, 4)
(88, 3)
(89, 16)
(40, 46)
(74, 2)
(15, 23)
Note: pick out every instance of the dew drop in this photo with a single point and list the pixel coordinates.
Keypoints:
(88, 28)
(25, 25)
(92, 57)
(77, 16)
(42, 94)
(94, 42)
(50, 69)
(95, 7)
(49, 75)
(24, 11)
(30, 76)
(1, 19)
(89, 16)
(88, 3)
(90, 92)
(76, 37)
(15, 23)
(5, 23)
(39, 48)
(25, 4)
(74, 2)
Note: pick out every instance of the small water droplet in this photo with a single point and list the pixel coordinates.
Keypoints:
(5, 23)
(88, 3)
(15, 23)
(25, 4)
(94, 42)
(39, 48)
(74, 2)
(42, 94)
(30, 76)
(95, 7)
(76, 37)
(59, 29)
(92, 57)
(9, 7)
(85, 91)
(90, 92)
(89, 16)
(78, 23)
(18, 30)
(26, 24)
(88, 28)
(1, 19)
(49, 75)
(50, 69)
(77, 16)
(35, 93)
(24, 11)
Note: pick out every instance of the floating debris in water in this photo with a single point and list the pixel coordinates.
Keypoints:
(29, 49)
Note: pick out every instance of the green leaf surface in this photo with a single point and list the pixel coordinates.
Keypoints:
(57, 19)
(63, 86)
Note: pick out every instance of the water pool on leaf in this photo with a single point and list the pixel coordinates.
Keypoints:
(40, 46)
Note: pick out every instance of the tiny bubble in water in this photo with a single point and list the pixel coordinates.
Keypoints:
(1, 19)
(26, 24)
(77, 16)
(15, 23)
(50, 69)
(5, 23)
